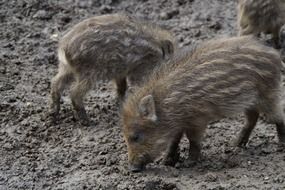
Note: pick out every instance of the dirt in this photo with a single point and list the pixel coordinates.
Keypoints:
(35, 155)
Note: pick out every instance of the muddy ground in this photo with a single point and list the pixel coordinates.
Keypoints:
(34, 155)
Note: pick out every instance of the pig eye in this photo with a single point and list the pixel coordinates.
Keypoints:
(136, 137)
(167, 49)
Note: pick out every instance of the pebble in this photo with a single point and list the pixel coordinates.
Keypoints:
(197, 33)
(42, 14)
(106, 9)
(163, 16)
(211, 177)
(8, 146)
(54, 37)
(168, 15)
(175, 173)
(216, 26)
(181, 2)
(91, 139)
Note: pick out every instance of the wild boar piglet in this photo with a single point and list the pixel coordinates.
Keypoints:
(261, 16)
(221, 78)
(103, 48)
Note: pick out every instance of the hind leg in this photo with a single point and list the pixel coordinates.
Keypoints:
(82, 85)
(277, 117)
(251, 119)
(63, 78)
(280, 125)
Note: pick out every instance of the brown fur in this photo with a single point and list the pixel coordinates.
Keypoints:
(108, 47)
(282, 42)
(221, 78)
(261, 16)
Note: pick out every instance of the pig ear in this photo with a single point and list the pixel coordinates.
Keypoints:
(167, 48)
(147, 108)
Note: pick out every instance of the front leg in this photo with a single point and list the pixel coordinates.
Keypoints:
(77, 94)
(172, 154)
(195, 136)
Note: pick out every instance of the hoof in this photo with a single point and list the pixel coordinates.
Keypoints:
(170, 161)
(135, 168)
(241, 143)
(52, 117)
(82, 117)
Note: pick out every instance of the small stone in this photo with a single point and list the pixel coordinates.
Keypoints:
(12, 100)
(102, 161)
(42, 14)
(84, 4)
(173, 13)
(168, 15)
(106, 9)
(197, 33)
(266, 150)
(216, 26)
(91, 139)
(29, 104)
(103, 152)
(279, 179)
(54, 37)
(181, 2)
(66, 19)
(175, 173)
(163, 16)
(211, 177)
(8, 146)
(181, 39)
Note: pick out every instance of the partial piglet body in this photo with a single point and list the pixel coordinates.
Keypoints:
(104, 48)
(261, 16)
(221, 78)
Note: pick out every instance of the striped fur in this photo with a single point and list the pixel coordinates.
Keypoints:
(261, 16)
(103, 48)
(219, 79)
